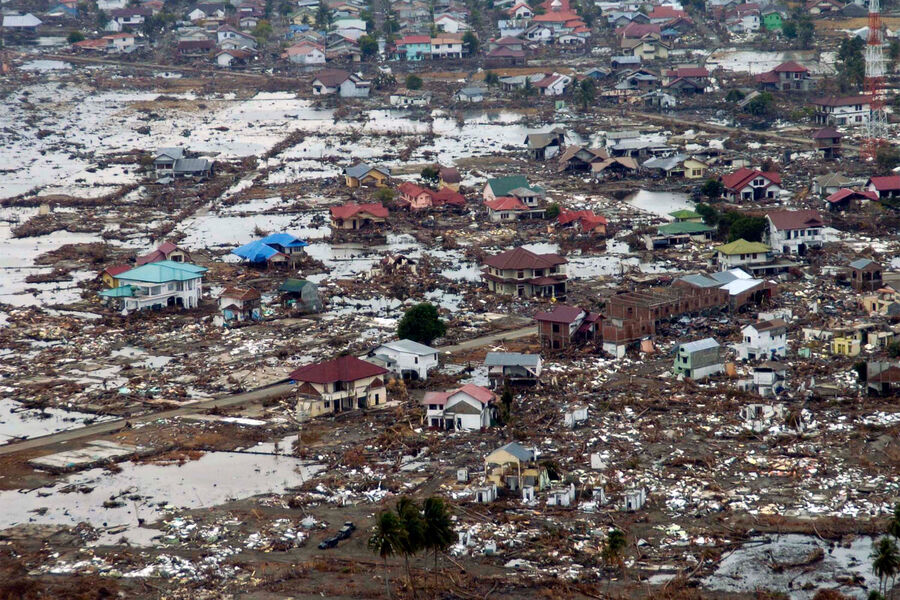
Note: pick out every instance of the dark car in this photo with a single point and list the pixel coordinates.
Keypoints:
(342, 534)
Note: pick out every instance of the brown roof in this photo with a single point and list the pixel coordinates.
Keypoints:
(242, 294)
(449, 175)
(332, 77)
(520, 258)
(842, 100)
(767, 325)
(827, 133)
(562, 313)
(795, 219)
(342, 368)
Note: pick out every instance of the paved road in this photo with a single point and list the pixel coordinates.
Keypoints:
(256, 395)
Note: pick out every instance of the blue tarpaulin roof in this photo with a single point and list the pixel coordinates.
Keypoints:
(256, 251)
(285, 240)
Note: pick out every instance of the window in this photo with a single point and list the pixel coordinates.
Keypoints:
(520, 275)
(327, 404)
(376, 398)
(556, 328)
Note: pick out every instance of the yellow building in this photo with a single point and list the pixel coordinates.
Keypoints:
(109, 275)
(363, 175)
(845, 346)
(695, 169)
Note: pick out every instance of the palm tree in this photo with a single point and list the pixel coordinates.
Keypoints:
(410, 516)
(885, 562)
(585, 92)
(614, 551)
(439, 534)
(894, 527)
(387, 540)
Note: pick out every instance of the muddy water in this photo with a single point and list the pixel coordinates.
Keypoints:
(148, 491)
(751, 567)
(18, 422)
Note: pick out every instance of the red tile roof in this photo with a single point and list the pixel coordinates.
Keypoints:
(342, 368)
(505, 203)
(767, 77)
(117, 269)
(408, 188)
(637, 30)
(448, 196)
(161, 253)
(239, 293)
(556, 16)
(795, 219)
(561, 313)
(790, 67)
(520, 258)
(827, 133)
(886, 182)
(688, 72)
(345, 211)
(413, 39)
(665, 12)
(845, 193)
(740, 178)
(842, 100)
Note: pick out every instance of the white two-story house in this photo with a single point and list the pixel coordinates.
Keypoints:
(795, 231)
(842, 110)
(740, 253)
(406, 358)
(468, 408)
(763, 340)
(338, 385)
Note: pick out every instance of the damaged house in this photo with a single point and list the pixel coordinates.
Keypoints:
(338, 385)
(566, 326)
(468, 408)
(512, 368)
(763, 340)
(158, 285)
(698, 360)
(514, 467)
(405, 358)
(520, 272)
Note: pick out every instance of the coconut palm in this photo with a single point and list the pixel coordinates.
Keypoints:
(885, 562)
(894, 526)
(613, 552)
(410, 516)
(387, 540)
(439, 534)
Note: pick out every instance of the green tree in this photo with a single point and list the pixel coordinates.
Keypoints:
(734, 95)
(613, 551)
(262, 31)
(761, 105)
(885, 562)
(586, 92)
(102, 19)
(806, 31)
(470, 42)
(552, 210)
(323, 16)
(422, 324)
(710, 215)
(285, 8)
(410, 517)
(387, 540)
(887, 157)
(75, 37)
(491, 78)
(789, 30)
(439, 534)
(368, 45)
(712, 188)
(894, 526)
(413, 82)
(747, 228)
(384, 195)
(430, 174)
(851, 64)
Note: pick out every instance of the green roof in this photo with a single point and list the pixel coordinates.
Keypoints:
(502, 186)
(163, 272)
(685, 214)
(742, 246)
(293, 285)
(683, 228)
(123, 291)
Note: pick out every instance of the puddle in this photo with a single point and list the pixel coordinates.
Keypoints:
(148, 491)
(19, 422)
(45, 65)
(751, 567)
(658, 203)
(140, 358)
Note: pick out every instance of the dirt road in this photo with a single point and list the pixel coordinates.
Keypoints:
(257, 395)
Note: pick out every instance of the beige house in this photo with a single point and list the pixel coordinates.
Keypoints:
(339, 385)
(515, 467)
(520, 272)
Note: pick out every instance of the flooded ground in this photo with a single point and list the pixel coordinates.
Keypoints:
(17, 422)
(797, 565)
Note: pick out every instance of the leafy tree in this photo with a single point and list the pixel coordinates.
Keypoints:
(75, 37)
(710, 215)
(368, 45)
(885, 562)
(747, 228)
(893, 350)
(430, 174)
(384, 195)
(470, 42)
(491, 78)
(102, 19)
(789, 29)
(806, 31)
(613, 551)
(851, 64)
(761, 105)
(894, 526)
(410, 516)
(734, 95)
(439, 534)
(323, 16)
(285, 8)
(387, 540)
(712, 188)
(422, 324)
(585, 92)
(262, 31)
(528, 89)
(893, 53)
(887, 157)
(413, 82)
(552, 210)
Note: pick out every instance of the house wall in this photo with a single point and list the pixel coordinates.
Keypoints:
(349, 89)
(420, 364)
(789, 241)
(326, 400)
(736, 260)
(158, 294)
